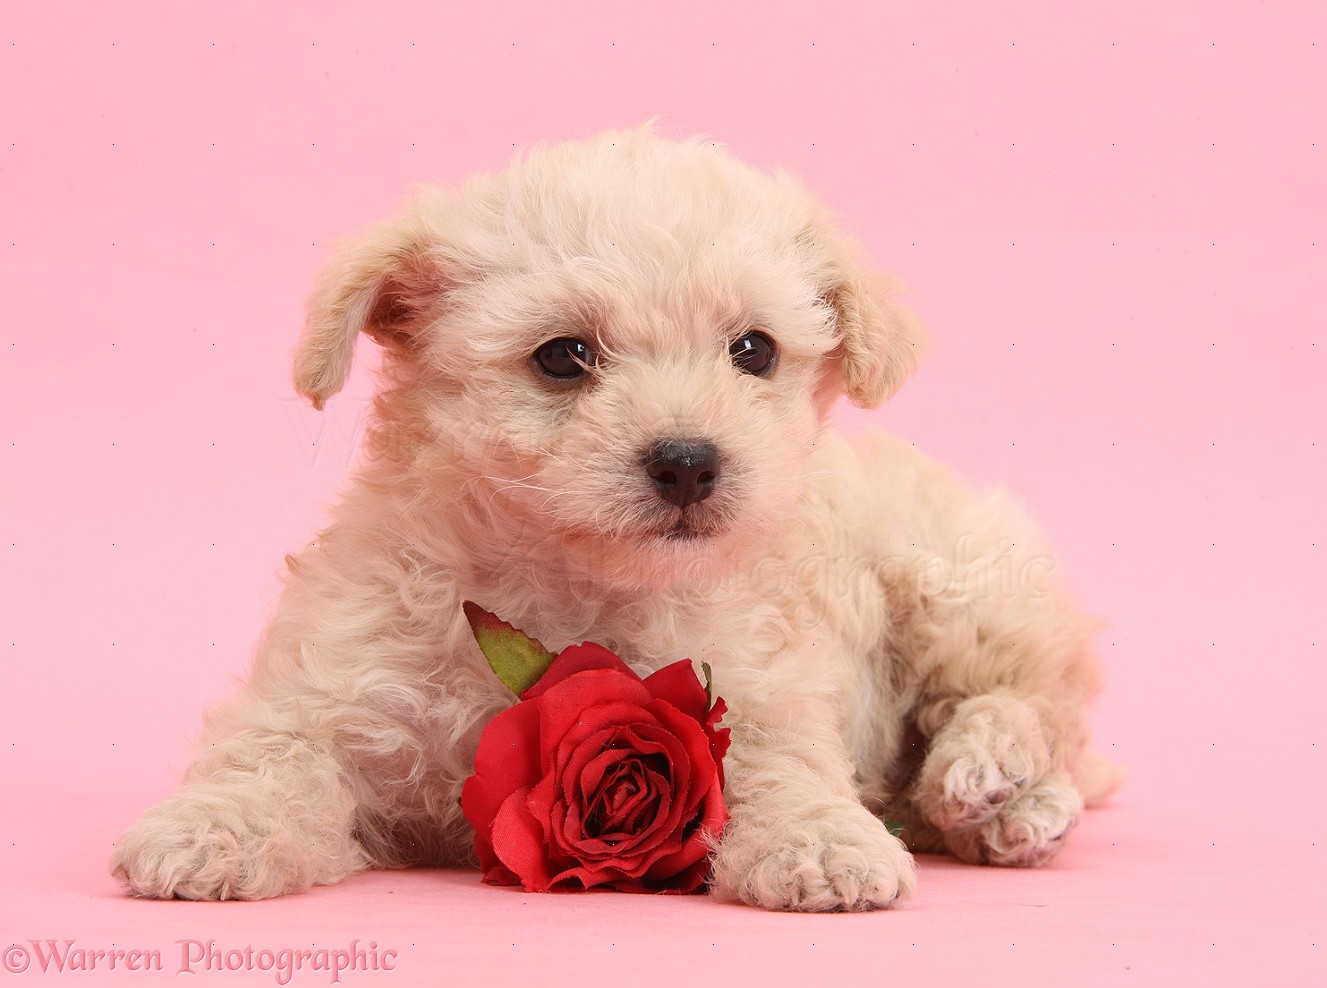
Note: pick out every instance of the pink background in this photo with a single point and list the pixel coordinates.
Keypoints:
(1112, 217)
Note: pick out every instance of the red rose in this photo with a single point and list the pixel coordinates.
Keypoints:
(598, 778)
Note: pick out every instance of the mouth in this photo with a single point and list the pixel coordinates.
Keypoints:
(684, 531)
(687, 526)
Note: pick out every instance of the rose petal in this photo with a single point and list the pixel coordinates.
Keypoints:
(575, 837)
(576, 659)
(589, 772)
(663, 844)
(572, 762)
(544, 801)
(705, 829)
(557, 819)
(657, 836)
(689, 749)
(587, 876)
(620, 805)
(619, 728)
(635, 851)
(679, 685)
(682, 861)
(597, 799)
(589, 779)
(518, 839)
(587, 699)
(699, 745)
(720, 737)
(667, 756)
(507, 760)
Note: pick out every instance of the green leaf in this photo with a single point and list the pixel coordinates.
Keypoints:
(709, 685)
(515, 658)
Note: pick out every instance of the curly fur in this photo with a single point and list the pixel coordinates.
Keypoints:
(891, 644)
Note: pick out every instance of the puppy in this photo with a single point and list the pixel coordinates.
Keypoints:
(602, 414)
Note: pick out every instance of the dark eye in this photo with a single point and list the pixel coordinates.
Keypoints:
(753, 354)
(565, 358)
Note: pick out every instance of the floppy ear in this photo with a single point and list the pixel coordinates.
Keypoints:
(388, 283)
(880, 341)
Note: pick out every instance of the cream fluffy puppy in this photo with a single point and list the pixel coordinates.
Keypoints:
(602, 415)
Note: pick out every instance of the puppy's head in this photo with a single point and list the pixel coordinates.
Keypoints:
(617, 353)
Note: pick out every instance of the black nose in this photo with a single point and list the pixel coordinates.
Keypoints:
(684, 471)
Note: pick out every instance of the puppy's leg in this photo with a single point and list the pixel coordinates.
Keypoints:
(1027, 831)
(988, 753)
(261, 813)
(992, 785)
(1009, 673)
(798, 836)
(1000, 659)
(346, 750)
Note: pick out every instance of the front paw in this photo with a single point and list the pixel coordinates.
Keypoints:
(204, 845)
(178, 850)
(1027, 832)
(981, 762)
(841, 859)
(190, 848)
